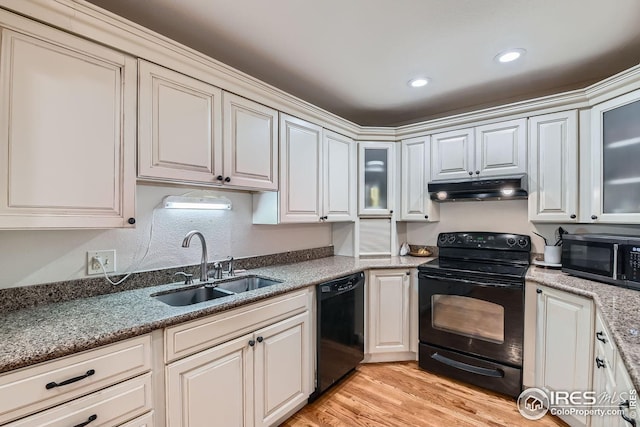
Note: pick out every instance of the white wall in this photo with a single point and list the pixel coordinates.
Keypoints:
(33, 257)
(499, 216)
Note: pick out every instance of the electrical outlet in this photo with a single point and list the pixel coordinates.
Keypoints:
(108, 260)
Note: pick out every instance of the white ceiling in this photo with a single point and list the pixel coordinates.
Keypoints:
(354, 57)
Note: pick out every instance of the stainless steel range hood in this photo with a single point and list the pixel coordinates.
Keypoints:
(504, 188)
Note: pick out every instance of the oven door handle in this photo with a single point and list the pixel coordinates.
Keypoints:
(470, 282)
(494, 373)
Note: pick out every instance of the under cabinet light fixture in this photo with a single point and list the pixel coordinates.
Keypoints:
(199, 201)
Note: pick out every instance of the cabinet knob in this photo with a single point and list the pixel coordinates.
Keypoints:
(470, 173)
(599, 363)
(252, 343)
(260, 339)
(227, 179)
(131, 221)
(622, 406)
(426, 217)
(538, 291)
(600, 337)
(594, 217)
(390, 212)
(219, 177)
(573, 216)
(325, 217)
(477, 172)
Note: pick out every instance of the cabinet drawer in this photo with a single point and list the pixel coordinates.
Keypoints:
(145, 420)
(108, 407)
(604, 341)
(189, 338)
(32, 389)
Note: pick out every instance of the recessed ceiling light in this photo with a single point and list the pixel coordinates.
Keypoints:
(510, 55)
(419, 82)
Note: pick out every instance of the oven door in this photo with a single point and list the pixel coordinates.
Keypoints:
(469, 316)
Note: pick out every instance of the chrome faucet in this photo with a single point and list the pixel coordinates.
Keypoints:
(203, 262)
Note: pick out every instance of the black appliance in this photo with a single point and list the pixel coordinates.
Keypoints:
(340, 333)
(608, 258)
(471, 301)
(505, 188)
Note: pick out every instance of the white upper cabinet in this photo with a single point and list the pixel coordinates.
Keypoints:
(415, 204)
(67, 123)
(179, 127)
(376, 178)
(452, 155)
(250, 148)
(181, 136)
(339, 183)
(317, 177)
(300, 172)
(496, 149)
(553, 167)
(614, 170)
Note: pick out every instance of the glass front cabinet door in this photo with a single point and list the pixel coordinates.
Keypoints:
(615, 160)
(376, 168)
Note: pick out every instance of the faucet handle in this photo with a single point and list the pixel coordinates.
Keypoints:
(230, 269)
(217, 271)
(187, 277)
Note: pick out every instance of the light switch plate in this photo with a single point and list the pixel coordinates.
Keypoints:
(108, 258)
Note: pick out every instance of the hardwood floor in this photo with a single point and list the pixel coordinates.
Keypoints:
(401, 394)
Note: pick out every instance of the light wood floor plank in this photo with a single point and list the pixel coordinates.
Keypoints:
(403, 395)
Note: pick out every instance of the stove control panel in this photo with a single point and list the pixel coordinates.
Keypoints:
(485, 240)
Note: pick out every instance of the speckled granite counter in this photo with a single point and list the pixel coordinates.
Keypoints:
(45, 332)
(619, 307)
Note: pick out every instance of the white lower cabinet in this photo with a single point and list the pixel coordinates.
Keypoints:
(391, 327)
(256, 379)
(108, 386)
(563, 343)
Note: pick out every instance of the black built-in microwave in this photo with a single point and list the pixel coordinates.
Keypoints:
(606, 258)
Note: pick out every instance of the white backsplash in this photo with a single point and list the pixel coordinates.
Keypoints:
(41, 256)
(499, 216)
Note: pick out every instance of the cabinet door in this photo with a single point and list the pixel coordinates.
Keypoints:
(388, 325)
(563, 343)
(339, 177)
(376, 178)
(282, 365)
(300, 170)
(553, 167)
(627, 398)
(615, 148)
(213, 387)
(415, 204)
(179, 127)
(250, 146)
(501, 149)
(67, 124)
(452, 155)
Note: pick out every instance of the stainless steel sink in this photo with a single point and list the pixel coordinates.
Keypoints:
(192, 296)
(213, 291)
(247, 283)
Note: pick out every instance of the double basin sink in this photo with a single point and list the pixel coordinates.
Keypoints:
(211, 291)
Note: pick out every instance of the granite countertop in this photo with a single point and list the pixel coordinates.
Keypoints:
(46, 332)
(618, 306)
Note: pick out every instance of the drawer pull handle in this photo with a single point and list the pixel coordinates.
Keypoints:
(91, 419)
(600, 337)
(54, 384)
(599, 363)
(623, 405)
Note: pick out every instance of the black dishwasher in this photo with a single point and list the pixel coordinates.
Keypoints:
(340, 334)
